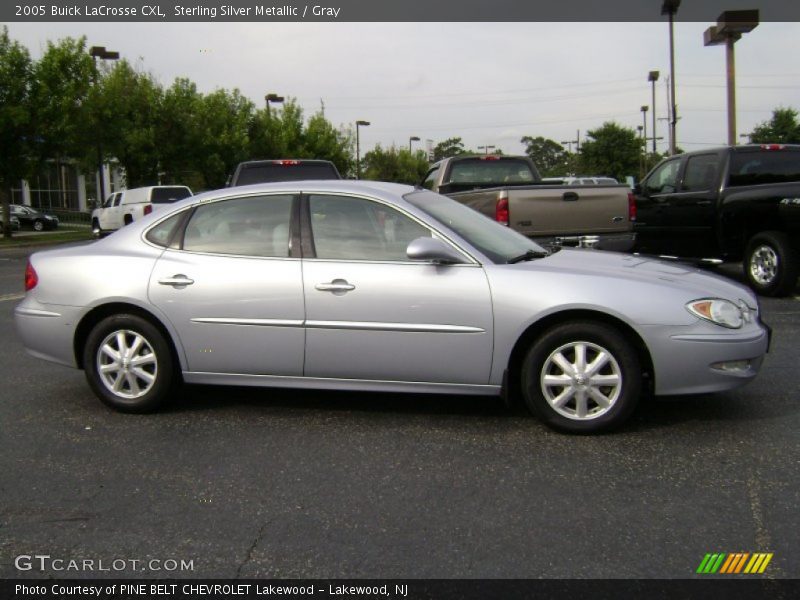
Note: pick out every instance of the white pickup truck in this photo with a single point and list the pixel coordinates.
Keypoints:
(126, 206)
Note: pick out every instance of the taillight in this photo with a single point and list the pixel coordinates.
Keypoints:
(286, 163)
(31, 278)
(490, 157)
(501, 209)
(631, 207)
(773, 147)
(148, 209)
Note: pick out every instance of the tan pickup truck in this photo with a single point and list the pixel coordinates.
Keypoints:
(509, 190)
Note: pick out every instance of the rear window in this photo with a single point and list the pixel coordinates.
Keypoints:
(482, 171)
(268, 172)
(168, 195)
(769, 166)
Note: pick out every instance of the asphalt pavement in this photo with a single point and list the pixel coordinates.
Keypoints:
(283, 484)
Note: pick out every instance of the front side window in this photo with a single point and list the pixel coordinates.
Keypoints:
(664, 180)
(251, 226)
(430, 178)
(348, 228)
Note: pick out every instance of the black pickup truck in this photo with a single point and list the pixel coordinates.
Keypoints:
(285, 169)
(737, 203)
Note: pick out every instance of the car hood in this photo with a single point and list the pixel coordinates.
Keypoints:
(697, 282)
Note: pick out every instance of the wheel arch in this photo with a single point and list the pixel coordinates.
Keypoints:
(98, 313)
(537, 329)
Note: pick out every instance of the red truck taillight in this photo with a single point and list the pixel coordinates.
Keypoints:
(31, 278)
(501, 209)
(631, 207)
(148, 209)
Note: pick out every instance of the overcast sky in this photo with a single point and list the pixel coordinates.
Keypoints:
(488, 83)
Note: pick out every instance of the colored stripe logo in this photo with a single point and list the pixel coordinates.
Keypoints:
(735, 563)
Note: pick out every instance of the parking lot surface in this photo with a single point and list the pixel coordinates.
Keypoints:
(282, 483)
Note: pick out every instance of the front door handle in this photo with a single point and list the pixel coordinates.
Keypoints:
(177, 281)
(337, 286)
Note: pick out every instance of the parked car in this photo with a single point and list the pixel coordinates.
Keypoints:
(381, 287)
(509, 190)
(733, 204)
(124, 207)
(285, 169)
(15, 224)
(32, 218)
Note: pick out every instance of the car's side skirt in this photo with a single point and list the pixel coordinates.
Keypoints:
(319, 383)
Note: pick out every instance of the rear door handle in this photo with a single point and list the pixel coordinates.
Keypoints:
(337, 286)
(177, 281)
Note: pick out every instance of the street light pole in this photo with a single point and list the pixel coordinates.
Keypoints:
(100, 52)
(413, 138)
(275, 99)
(652, 77)
(728, 30)
(644, 129)
(670, 7)
(358, 147)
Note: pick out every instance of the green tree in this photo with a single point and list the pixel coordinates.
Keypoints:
(782, 128)
(178, 134)
(449, 147)
(396, 165)
(128, 106)
(16, 72)
(611, 150)
(325, 142)
(549, 157)
(224, 120)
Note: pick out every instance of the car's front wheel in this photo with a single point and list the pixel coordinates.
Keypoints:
(128, 363)
(38, 225)
(582, 377)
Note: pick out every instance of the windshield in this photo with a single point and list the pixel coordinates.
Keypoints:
(496, 241)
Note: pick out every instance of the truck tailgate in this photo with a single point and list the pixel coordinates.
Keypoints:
(569, 210)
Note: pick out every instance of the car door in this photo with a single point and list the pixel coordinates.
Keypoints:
(654, 232)
(233, 290)
(106, 216)
(690, 214)
(373, 314)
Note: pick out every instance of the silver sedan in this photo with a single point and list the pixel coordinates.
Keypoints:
(381, 287)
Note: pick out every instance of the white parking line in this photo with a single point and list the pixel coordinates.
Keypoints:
(11, 297)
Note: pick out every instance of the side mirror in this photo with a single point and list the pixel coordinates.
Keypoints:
(433, 250)
(637, 189)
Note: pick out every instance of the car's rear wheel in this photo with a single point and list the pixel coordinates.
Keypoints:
(128, 363)
(38, 225)
(582, 377)
(771, 265)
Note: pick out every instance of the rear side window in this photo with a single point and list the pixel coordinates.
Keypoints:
(286, 171)
(491, 172)
(168, 195)
(769, 166)
(161, 234)
(252, 226)
(701, 173)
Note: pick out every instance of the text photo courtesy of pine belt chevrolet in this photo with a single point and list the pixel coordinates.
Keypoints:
(381, 287)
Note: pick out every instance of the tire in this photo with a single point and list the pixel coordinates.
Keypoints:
(587, 406)
(120, 384)
(770, 264)
(127, 220)
(38, 225)
(96, 231)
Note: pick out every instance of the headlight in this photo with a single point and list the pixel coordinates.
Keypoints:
(716, 310)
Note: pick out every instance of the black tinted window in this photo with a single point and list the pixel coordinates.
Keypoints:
(769, 166)
(267, 172)
(701, 173)
(664, 180)
(167, 195)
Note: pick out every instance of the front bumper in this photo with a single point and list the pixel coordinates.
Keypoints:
(700, 360)
(614, 242)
